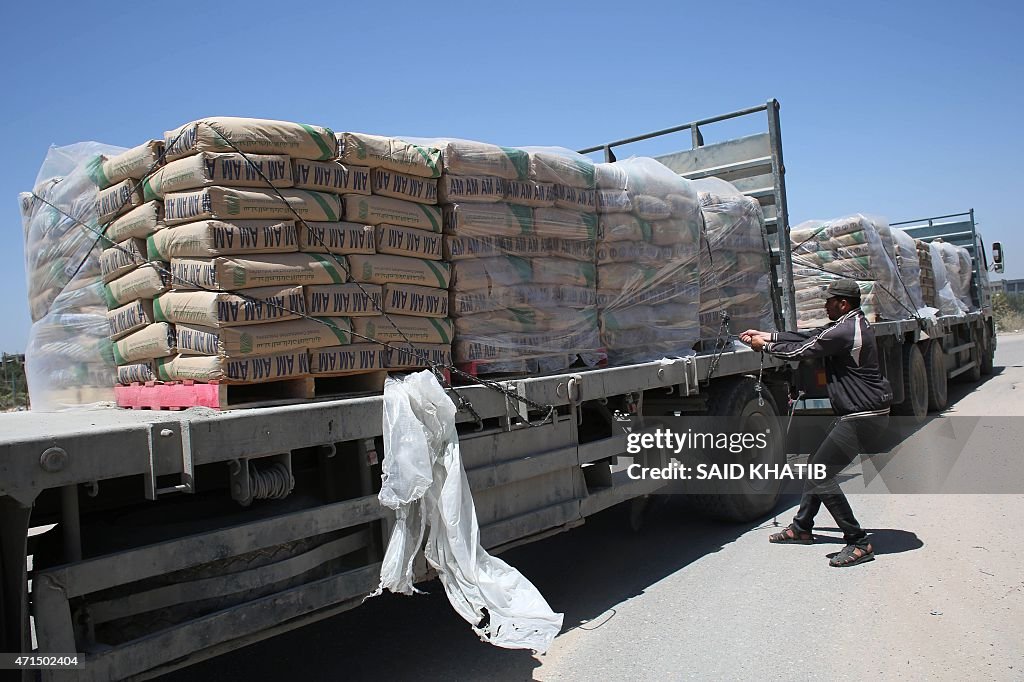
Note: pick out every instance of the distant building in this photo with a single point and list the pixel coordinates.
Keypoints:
(1012, 286)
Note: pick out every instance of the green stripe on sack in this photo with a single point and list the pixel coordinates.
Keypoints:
(118, 358)
(326, 153)
(442, 279)
(524, 216)
(331, 216)
(343, 335)
(152, 250)
(109, 298)
(161, 370)
(429, 211)
(441, 330)
(329, 266)
(431, 164)
(94, 169)
(158, 311)
(520, 161)
(148, 193)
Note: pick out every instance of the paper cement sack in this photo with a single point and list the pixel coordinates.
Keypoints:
(576, 199)
(472, 188)
(138, 373)
(425, 355)
(227, 273)
(391, 153)
(491, 273)
(464, 157)
(415, 329)
(375, 210)
(564, 272)
(252, 136)
(339, 237)
(225, 309)
(330, 176)
(523, 320)
(228, 203)
(613, 201)
(563, 223)
(344, 300)
(263, 339)
(415, 300)
(521, 296)
(407, 241)
(389, 183)
(248, 370)
(399, 270)
(122, 258)
(485, 220)
(208, 238)
(562, 167)
(129, 318)
(133, 164)
(145, 281)
(610, 176)
(218, 168)
(140, 222)
(342, 360)
(530, 193)
(492, 246)
(157, 340)
(117, 199)
(623, 227)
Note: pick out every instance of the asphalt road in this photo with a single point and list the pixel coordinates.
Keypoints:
(688, 598)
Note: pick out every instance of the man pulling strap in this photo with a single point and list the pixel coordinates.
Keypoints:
(860, 397)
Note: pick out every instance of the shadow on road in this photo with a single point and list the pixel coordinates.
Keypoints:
(884, 540)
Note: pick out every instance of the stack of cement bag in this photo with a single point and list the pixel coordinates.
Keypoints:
(908, 266)
(245, 212)
(924, 259)
(946, 283)
(735, 274)
(68, 357)
(850, 247)
(648, 274)
(408, 271)
(520, 229)
(957, 260)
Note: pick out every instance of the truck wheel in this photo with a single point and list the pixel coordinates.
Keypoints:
(745, 500)
(915, 385)
(938, 384)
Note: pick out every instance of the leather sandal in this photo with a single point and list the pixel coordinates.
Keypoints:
(851, 555)
(792, 536)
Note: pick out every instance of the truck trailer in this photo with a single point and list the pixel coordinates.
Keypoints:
(143, 540)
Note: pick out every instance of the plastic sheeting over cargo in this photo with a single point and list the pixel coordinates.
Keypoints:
(854, 247)
(648, 270)
(735, 275)
(69, 359)
(425, 483)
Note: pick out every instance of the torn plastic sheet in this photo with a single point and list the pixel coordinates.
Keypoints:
(425, 483)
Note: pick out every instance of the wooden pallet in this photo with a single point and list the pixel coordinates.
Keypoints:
(181, 395)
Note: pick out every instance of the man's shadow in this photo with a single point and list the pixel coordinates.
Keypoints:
(883, 540)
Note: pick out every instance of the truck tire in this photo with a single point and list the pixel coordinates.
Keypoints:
(915, 385)
(742, 500)
(938, 383)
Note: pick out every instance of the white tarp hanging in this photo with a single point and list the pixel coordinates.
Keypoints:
(426, 485)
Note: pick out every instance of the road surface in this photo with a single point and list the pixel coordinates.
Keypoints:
(686, 598)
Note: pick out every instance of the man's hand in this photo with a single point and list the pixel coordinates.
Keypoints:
(751, 334)
(757, 342)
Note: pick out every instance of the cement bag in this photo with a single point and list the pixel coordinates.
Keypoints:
(251, 136)
(465, 157)
(562, 167)
(958, 270)
(908, 265)
(425, 483)
(949, 303)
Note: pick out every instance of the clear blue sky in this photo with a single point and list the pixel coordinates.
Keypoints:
(904, 110)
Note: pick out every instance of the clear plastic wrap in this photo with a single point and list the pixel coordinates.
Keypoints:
(908, 266)
(523, 291)
(851, 247)
(648, 270)
(958, 271)
(68, 360)
(735, 272)
(947, 300)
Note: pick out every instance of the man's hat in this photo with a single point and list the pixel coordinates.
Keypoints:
(846, 288)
